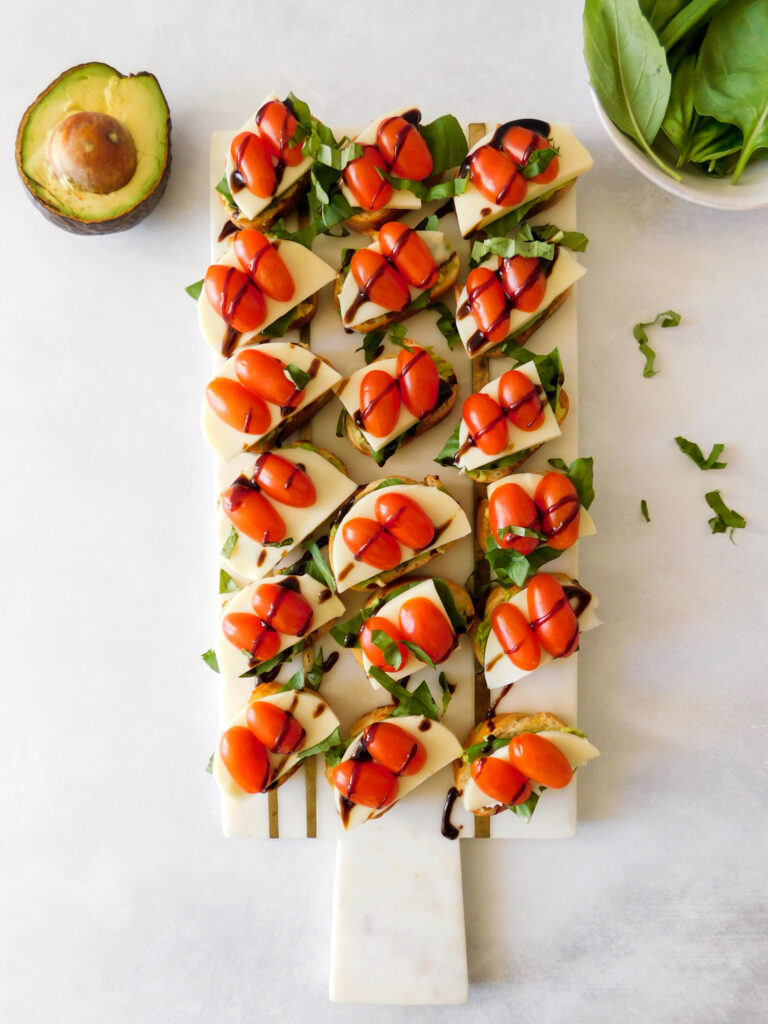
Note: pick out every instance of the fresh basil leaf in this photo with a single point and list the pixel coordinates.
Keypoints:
(284, 543)
(446, 141)
(268, 666)
(304, 236)
(447, 601)
(299, 377)
(446, 690)
(580, 473)
(420, 654)
(431, 223)
(372, 345)
(209, 766)
(644, 510)
(539, 161)
(335, 156)
(389, 649)
(509, 247)
(484, 748)
(195, 289)
(447, 456)
(299, 109)
(548, 366)
(418, 702)
(229, 543)
(323, 570)
(513, 568)
(296, 682)
(340, 422)
(628, 70)
(226, 584)
(521, 531)
(223, 189)
(419, 302)
(695, 453)
(446, 324)
(573, 240)
(397, 334)
(527, 807)
(278, 328)
(331, 746)
(669, 318)
(210, 659)
(314, 675)
(426, 193)
(724, 518)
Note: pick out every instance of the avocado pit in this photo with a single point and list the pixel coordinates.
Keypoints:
(92, 151)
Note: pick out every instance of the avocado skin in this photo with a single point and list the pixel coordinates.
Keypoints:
(69, 222)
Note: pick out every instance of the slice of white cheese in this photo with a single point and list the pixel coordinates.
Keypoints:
(313, 715)
(326, 607)
(441, 252)
(251, 204)
(529, 482)
(441, 746)
(474, 211)
(577, 749)
(251, 560)
(446, 514)
(566, 271)
(349, 393)
(228, 442)
(518, 440)
(309, 274)
(500, 670)
(391, 612)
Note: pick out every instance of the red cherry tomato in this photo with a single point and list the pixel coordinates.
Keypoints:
(395, 748)
(500, 780)
(265, 376)
(379, 402)
(424, 624)
(517, 639)
(488, 304)
(372, 652)
(418, 379)
(405, 519)
(539, 759)
(524, 282)
(509, 505)
(278, 730)
(248, 633)
(369, 542)
(486, 423)
(519, 143)
(496, 177)
(410, 254)
(378, 280)
(369, 189)
(552, 619)
(519, 398)
(235, 298)
(254, 164)
(404, 149)
(365, 783)
(283, 609)
(238, 407)
(283, 481)
(252, 514)
(558, 502)
(245, 758)
(276, 126)
(260, 259)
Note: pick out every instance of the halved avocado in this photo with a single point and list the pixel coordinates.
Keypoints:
(94, 149)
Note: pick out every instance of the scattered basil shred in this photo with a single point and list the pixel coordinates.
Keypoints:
(695, 453)
(724, 518)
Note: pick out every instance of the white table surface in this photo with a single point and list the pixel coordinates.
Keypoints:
(119, 899)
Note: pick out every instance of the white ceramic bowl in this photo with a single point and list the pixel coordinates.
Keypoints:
(750, 194)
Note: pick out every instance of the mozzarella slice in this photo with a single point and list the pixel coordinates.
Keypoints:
(233, 662)
(250, 204)
(252, 560)
(446, 514)
(228, 442)
(313, 715)
(441, 746)
(577, 749)
(519, 440)
(566, 271)
(441, 252)
(500, 670)
(391, 612)
(474, 211)
(349, 393)
(309, 274)
(529, 482)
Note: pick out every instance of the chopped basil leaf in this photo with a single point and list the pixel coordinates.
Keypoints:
(209, 766)
(484, 748)
(644, 510)
(340, 422)
(539, 161)
(211, 660)
(195, 289)
(267, 666)
(667, 319)
(226, 584)
(573, 240)
(725, 518)
(447, 142)
(427, 193)
(481, 634)
(580, 473)
(445, 689)
(229, 543)
(278, 327)
(446, 324)
(323, 573)
(331, 746)
(223, 189)
(508, 247)
(299, 377)
(304, 236)
(447, 457)
(548, 365)
(341, 629)
(397, 334)
(527, 807)
(521, 531)
(335, 155)
(418, 303)
(420, 654)
(296, 682)
(512, 567)
(371, 346)
(446, 597)
(284, 543)
(431, 223)
(509, 221)
(420, 702)
(389, 649)
(310, 679)
(695, 453)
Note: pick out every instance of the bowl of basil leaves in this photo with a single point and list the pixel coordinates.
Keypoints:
(681, 87)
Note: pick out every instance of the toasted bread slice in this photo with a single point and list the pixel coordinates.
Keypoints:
(280, 206)
(368, 222)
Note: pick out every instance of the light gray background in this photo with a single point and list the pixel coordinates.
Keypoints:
(119, 900)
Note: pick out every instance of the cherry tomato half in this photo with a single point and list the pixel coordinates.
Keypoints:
(539, 759)
(261, 260)
(404, 149)
(410, 254)
(524, 282)
(283, 481)
(500, 780)
(486, 423)
(283, 609)
(405, 519)
(509, 505)
(372, 652)
(395, 748)
(517, 639)
(278, 730)
(379, 281)
(519, 143)
(369, 189)
(248, 633)
(365, 783)
(265, 376)
(238, 407)
(379, 402)
(254, 164)
(552, 618)
(252, 514)
(496, 177)
(424, 624)
(488, 304)
(418, 379)
(276, 126)
(245, 758)
(370, 543)
(519, 398)
(558, 502)
(235, 298)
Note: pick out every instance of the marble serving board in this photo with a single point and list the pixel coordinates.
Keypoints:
(304, 806)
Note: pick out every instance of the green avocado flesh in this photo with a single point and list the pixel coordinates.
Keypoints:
(138, 104)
